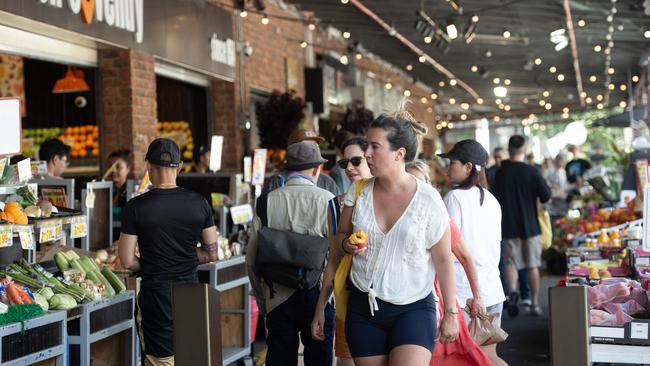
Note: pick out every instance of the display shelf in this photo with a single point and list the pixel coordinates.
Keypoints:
(614, 353)
(34, 340)
(9, 189)
(98, 320)
(230, 278)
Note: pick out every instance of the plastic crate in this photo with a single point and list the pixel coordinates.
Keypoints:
(34, 340)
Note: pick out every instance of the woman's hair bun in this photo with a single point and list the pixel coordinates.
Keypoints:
(403, 113)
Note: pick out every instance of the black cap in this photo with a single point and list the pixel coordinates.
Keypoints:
(164, 152)
(469, 151)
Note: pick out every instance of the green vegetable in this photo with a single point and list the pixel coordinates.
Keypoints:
(61, 261)
(93, 277)
(76, 264)
(89, 264)
(28, 198)
(42, 301)
(117, 284)
(71, 254)
(9, 172)
(46, 292)
(62, 302)
(108, 289)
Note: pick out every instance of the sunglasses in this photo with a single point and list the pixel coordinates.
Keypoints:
(355, 160)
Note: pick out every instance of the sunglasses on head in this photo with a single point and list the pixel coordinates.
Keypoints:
(356, 161)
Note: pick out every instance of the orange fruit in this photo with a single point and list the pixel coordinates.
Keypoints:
(12, 207)
(10, 217)
(95, 152)
(83, 153)
(21, 218)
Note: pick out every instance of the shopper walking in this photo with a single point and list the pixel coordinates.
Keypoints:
(498, 155)
(356, 169)
(391, 306)
(324, 181)
(166, 224)
(518, 186)
(302, 208)
(478, 216)
(463, 351)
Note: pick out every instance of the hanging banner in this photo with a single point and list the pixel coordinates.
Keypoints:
(259, 167)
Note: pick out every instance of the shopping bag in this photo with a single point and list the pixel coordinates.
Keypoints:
(484, 331)
(341, 291)
(544, 220)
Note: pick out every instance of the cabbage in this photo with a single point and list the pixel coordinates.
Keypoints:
(62, 302)
(46, 292)
(41, 301)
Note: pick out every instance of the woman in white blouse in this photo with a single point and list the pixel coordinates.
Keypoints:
(391, 307)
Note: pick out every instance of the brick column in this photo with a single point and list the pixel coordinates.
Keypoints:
(225, 100)
(128, 97)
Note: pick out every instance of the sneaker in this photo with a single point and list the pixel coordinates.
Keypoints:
(535, 310)
(526, 302)
(513, 300)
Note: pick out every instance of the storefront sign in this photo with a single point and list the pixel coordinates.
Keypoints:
(178, 31)
(259, 167)
(127, 15)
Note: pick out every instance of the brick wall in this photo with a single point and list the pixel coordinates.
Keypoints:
(225, 99)
(128, 89)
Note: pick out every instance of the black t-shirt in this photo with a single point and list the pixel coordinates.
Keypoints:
(517, 186)
(168, 223)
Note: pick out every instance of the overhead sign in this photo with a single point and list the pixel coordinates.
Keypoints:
(121, 14)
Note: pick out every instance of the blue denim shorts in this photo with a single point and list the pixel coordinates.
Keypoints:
(390, 327)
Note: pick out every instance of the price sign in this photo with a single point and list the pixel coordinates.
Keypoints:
(3, 162)
(259, 167)
(6, 236)
(24, 170)
(49, 233)
(241, 214)
(78, 229)
(26, 236)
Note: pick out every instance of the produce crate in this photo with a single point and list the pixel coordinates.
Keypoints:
(34, 340)
(100, 320)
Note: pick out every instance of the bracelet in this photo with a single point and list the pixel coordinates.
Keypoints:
(343, 247)
(454, 311)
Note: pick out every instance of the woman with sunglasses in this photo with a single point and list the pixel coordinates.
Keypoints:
(356, 168)
(391, 306)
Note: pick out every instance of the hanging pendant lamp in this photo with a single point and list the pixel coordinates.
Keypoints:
(72, 82)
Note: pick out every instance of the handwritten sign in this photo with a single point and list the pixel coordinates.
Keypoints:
(26, 236)
(241, 214)
(24, 170)
(78, 227)
(259, 167)
(49, 233)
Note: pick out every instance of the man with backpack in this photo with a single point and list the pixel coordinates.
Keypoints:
(286, 256)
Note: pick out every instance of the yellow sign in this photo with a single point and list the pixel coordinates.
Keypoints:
(78, 230)
(6, 239)
(49, 233)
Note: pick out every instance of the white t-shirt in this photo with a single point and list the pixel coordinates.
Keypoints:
(397, 267)
(480, 226)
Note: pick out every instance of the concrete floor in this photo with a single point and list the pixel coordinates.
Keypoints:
(528, 341)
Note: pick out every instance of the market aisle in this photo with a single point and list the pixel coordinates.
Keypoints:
(528, 342)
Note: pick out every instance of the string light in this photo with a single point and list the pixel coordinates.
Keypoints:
(538, 61)
(452, 82)
(451, 125)
(635, 78)
(498, 101)
(479, 101)
(593, 78)
(409, 67)
(588, 100)
(346, 35)
(441, 84)
(452, 101)
(345, 1)
(428, 39)
(407, 93)
(552, 69)
(546, 93)
(506, 34)
(265, 20)
(475, 18)
(506, 81)
(611, 70)
(611, 86)
(599, 97)
(388, 86)
(622, 104)
(358, 56)
(623, 87)
(311, 26)
(434, 96)
(600, 106)
(548, 106)
(463, 116)
(565, 110)
(560, 77)
(243, 13)
(581, 23)
(598, 48)
(496, 80)
(542, 103)
(506, 108)
(464, 106)
(422, 59)
(496, 119)
(424, 100)
(303, 44)
(344, 59)
(474, 68)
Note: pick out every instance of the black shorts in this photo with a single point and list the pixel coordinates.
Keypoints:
(392, 325)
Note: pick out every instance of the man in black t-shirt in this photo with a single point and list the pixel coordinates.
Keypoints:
(518, 186)
(166, 223)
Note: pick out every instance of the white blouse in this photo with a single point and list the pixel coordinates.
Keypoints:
(397, 267)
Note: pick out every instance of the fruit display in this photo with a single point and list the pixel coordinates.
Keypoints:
(359, 238)
(180, 132)
(13, 213)
(83, 140)
(24, 205)
(566, 229)
(34, 137)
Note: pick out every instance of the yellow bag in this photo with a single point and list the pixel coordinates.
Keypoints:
(544, 220)
(341, 292)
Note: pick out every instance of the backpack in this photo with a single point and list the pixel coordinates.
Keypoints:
(287, 258)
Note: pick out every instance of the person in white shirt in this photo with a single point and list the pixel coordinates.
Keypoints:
(478, 216)
(391, 306)
(559, 185)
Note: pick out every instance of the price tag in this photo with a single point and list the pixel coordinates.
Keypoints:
(241, 214)
(3, 164)
(49, 233)
(26, 240)
(24, 170)
(78, 229)
(6, 237)
(259, 167)
(643, 261)
(90, 199)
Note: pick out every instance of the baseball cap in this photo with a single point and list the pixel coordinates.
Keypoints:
(467, 150)
(303, 155)
(164, 152)
(303, 135)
